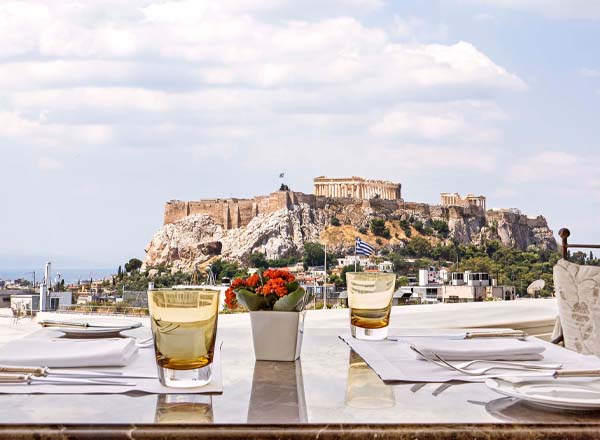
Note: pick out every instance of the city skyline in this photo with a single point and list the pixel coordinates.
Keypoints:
(109, 110)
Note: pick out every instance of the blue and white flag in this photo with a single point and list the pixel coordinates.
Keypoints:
(363, 248)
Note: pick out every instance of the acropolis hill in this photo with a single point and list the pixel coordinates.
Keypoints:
(280, 223)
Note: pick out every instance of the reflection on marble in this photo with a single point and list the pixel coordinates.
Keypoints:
(514, 410)
(183, 408)
(364, 388)
(277, 393)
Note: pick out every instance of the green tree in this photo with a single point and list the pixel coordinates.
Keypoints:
(133, 265)
(314, 254)
(418, 225)
(378, 228)
(256, 259)
(419, 247)
(334, 221)
(441, 227)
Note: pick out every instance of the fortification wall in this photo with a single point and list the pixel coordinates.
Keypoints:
(235, 213)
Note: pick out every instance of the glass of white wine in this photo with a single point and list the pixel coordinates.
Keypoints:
(370, 297)
(184, 327)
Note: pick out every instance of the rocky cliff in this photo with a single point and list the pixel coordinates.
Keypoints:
(195, 239)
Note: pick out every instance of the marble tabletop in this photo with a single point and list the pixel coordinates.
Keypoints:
(329, 393)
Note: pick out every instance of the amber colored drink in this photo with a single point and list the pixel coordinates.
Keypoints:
(370, 300)
(184, 326)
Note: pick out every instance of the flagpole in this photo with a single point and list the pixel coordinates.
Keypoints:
(355, 256)
(325, 283)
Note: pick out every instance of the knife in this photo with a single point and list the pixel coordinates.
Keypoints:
(512, 334)
(29, 379)
(554, 374)
(48, 372)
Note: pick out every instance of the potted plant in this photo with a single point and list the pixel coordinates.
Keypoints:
(276, 303)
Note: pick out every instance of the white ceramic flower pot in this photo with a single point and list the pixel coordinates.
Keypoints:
(277, 336)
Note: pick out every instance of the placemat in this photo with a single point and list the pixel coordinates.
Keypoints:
(394, 361)
(143, 364)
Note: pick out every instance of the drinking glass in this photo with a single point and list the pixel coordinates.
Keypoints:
(370, 301)
(184, 326)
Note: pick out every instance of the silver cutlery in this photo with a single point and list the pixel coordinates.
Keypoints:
(30, 379)
(525, 372)
(436, 359)
(467, 364)
(51, 323)
(46, 372)
(511, 334)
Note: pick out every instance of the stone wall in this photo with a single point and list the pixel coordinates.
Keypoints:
(236, 213)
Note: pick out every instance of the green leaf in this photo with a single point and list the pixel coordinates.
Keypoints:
(291, 301)
(293, 286)
(251, 300)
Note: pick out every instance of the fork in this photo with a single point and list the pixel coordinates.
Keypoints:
(474, 372)
(517, 364)
(479, 371)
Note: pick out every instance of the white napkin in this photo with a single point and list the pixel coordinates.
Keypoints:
(486, 349)
(66, 353)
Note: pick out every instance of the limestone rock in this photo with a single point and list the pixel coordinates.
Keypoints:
(195, 239)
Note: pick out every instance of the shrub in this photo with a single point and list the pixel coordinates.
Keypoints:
(378, 228)
(335, 221)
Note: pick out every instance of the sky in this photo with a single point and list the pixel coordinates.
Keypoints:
(108, 109)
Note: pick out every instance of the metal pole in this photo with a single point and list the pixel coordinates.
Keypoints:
(325, 283)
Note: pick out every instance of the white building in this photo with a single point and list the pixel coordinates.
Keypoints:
(470, 279)
(386, 266)
(429, 276)
(349, 260)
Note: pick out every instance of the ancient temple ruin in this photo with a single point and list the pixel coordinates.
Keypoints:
(455, 199)
(357, 188)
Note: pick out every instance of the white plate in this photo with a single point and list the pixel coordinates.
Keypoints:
(110, 330)
(554, 393)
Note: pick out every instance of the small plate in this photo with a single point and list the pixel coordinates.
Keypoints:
(109, 330)
(71, 332)
(574, 394)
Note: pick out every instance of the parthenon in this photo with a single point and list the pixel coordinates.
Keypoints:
(455, 199)
(357, 188)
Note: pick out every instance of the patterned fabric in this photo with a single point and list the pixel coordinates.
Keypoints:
(578, 293)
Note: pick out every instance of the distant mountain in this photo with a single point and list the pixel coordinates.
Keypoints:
(11, 261)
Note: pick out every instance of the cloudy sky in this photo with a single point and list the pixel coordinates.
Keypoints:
(110, 108)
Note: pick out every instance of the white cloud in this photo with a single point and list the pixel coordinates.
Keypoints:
(553, 166)
(49, 164)
(465, 120)
(590, 73)
(556, 9)
(191, 75)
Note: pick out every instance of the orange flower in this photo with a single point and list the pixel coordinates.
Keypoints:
(238, 282)
(275, 286)
(230, 298)
(277, 273)
(253, 280)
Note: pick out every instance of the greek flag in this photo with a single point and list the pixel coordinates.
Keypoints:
(363, 248)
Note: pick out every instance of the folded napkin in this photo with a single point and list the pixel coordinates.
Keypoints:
(66, 353)
(485, 349)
